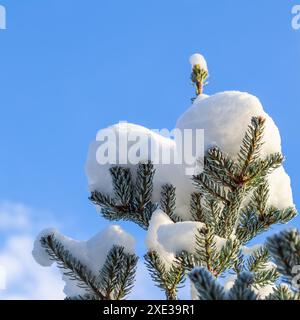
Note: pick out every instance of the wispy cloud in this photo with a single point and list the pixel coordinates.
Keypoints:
(24, 278)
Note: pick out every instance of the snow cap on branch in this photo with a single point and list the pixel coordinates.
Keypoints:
(198, 59)
(169, 238)
(91, 253)
(158, 219)
(225, 118)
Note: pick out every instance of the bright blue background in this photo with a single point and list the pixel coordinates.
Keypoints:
(69, 68)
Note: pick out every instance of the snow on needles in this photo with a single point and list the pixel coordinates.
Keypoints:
(225, 118)
(168, 238)
(91, 253)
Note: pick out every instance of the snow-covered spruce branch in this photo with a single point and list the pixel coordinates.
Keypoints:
(208, 287)
(228, 182)
(132, 199)
(283, 248)
(115, 278)
(169, 280)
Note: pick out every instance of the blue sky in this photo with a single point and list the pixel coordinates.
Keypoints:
(69, 68)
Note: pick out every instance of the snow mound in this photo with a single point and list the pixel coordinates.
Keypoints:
(91, 253)
(152, 146)
(179, 236)
(281, 195)
(168, 238)
(159, 219)
(225, 118)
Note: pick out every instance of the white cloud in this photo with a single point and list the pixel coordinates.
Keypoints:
(25, 279)
(13, 216)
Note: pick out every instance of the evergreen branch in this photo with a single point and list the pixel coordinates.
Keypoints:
(131, 203)
(258, 260)
(102, 200)
(282, 292)
(221, 168)
(157, 270)
(228, 255)
(196, 208)
(144, 185)
(166, 280)
(230, 213)
(251, 145)
(239, 263)
(252, 223)
(274, 216)
(205, 250)
(265, 277)
(241, 289)
(122, 185)
(168, 201)
(206, 285)
(212, 214)
(117, 275)
(113, 212)
(188, 260)
(285, 251)
(259, 199)
(208, 186)
(262, 168)
(198, 78)
(249, 225)
(126, 275)
(109, 273)
(272, 162)
(175, 277)
(72, 268)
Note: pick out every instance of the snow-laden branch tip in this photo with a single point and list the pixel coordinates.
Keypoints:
(198, 59)
(91, 253)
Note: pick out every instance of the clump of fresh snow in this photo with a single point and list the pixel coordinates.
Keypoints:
(39, 253)
(198, 59)
(179, 236)
(159, 219)
(154, 147)
(281, 195)
(91, 253)
(225, 118)
(169, 238)
(123, 138)
(249, 250)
